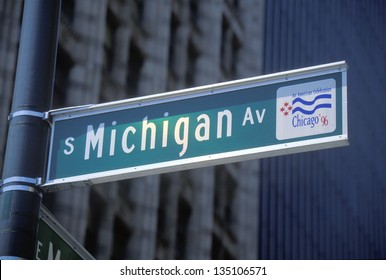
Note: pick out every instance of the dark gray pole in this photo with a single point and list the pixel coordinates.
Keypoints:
(25, 157)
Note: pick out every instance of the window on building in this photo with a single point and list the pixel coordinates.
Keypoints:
(184, 213)
(137, 11)
(121, 238)
(194, 13)
(230, 46)
(172, 60)
(67, 15)
(219, 251)
(67, 10)
(162, 216)
(191, 67)
(64, 64)
(233, 3)
(136, 61)
(95, 217)
(109, 42)
(224, 197)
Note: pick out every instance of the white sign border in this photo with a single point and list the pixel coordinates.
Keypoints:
(208, 160)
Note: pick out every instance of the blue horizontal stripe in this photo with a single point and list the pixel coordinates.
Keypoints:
(310, 112)
(305, 102)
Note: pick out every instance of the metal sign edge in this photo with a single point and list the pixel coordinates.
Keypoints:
(48, 218)
(201, 161)
(90, 109)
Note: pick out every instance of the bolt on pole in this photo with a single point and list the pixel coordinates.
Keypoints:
(28, 134)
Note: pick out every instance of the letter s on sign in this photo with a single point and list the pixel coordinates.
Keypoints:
(70, 146)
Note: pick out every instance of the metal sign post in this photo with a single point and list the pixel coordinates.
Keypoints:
(28, 135)
(288, 112)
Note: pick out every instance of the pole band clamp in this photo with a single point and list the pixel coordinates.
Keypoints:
(21, 179)
(19, 183)
(24, 188)
(41, 115)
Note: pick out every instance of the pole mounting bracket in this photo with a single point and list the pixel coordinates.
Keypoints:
(19, 183)
(41, 115)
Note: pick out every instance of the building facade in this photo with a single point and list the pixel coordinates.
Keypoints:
(320, 205)
(112, 50)
(329, 204)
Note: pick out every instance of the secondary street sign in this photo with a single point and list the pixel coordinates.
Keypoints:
(288, 112)
(55, 243)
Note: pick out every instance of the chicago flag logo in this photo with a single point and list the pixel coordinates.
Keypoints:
(306, 109)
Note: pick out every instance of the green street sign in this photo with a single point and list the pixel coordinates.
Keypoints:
(55, 243)
(288, 112)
